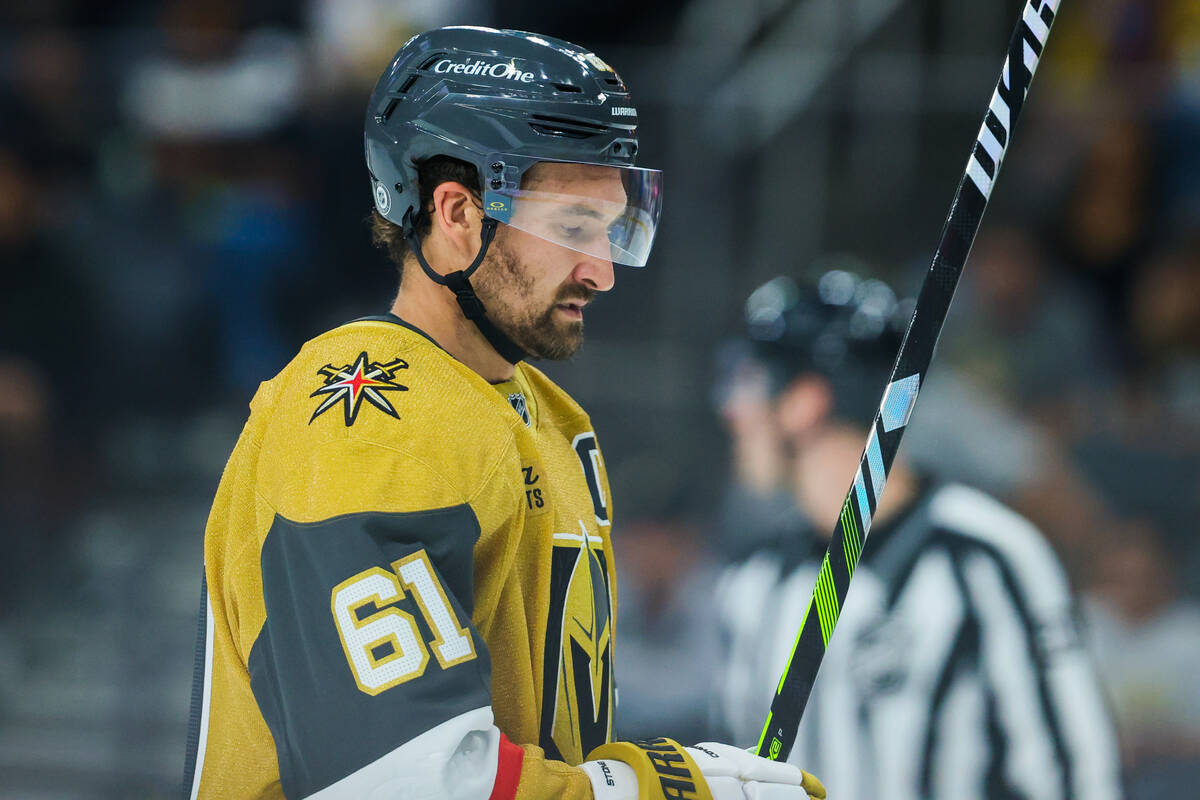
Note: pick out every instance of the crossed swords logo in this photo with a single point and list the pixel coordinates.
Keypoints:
(352, 383)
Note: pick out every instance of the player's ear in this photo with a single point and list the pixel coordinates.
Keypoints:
(457, 217)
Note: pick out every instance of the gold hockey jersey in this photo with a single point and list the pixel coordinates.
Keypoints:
(395, 542)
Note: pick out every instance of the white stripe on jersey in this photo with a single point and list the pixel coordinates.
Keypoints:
(974, 515)
(1075, 694)
(744, 591)
(1086, 727)
(960, 763)
(1031, 766)
(841, 741)
(207, 697)
(934, 612)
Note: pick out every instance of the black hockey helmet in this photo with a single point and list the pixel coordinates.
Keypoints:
(841, 326)
(505, 100)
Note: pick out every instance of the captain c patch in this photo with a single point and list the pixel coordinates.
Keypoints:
(350, 384)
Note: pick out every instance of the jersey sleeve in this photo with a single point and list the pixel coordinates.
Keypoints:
(369, 668)
(367, 641)
(1060, 741)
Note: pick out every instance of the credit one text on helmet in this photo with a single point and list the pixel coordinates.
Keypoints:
(501, 70)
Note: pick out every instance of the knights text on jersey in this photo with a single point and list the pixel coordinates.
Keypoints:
(398, 549)
(956, 669)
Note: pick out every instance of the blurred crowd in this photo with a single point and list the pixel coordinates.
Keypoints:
(182, 203)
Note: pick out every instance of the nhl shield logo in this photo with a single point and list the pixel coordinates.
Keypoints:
(517, 401)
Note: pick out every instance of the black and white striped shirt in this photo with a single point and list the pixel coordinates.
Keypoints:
(956, 670)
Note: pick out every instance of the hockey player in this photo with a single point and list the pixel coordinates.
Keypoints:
(408, 569)
(956, 669)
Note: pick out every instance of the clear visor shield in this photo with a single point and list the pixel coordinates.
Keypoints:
(606, 212)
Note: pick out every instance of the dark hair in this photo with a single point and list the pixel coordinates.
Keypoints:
(389, 237)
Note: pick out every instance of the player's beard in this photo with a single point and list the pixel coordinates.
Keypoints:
(507, 292)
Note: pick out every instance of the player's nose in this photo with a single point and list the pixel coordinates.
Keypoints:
(595, 273)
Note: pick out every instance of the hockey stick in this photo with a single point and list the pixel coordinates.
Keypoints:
(916, 352)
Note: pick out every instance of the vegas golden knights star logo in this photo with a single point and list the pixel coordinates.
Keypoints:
(350, 384)
(577, 681)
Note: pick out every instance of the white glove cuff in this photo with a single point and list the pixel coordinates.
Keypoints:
(611, 780)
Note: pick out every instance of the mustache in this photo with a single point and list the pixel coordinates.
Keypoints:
(576, 294)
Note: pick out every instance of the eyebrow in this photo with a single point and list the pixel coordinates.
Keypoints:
(583, 210)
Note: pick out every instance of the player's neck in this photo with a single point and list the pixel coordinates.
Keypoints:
(435, 310)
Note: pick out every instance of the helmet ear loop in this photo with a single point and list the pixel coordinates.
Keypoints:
(458, 281)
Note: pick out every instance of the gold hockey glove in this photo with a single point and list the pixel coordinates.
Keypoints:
(662, 769)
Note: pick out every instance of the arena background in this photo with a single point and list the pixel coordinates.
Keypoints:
(182, 204)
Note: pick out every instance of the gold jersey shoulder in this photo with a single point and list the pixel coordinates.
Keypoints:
(372, 385)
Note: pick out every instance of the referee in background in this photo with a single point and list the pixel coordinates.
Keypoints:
(957, 670)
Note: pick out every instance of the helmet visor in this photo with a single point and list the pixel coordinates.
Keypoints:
(607, 212)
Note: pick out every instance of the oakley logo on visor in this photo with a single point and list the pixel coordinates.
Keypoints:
(498, 209)
(502, 70)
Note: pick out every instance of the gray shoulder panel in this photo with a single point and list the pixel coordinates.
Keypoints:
(326, 727)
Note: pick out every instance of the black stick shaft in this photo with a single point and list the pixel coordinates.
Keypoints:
(916, 352)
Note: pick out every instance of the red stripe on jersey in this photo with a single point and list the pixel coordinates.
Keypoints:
(508, 770)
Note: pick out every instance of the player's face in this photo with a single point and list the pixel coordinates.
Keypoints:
(534, 290)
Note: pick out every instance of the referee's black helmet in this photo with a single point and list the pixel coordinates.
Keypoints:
(841, 326)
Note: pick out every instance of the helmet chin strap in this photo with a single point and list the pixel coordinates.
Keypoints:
(459, 282)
